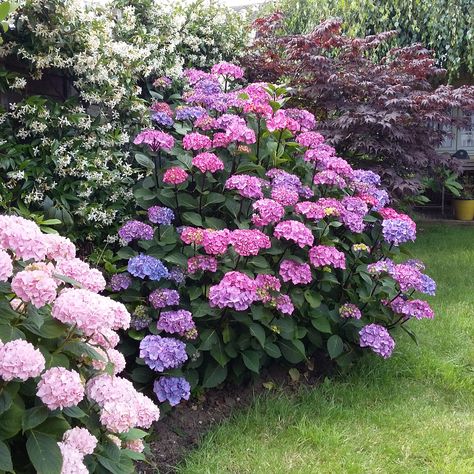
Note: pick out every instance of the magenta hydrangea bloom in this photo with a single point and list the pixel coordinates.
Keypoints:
(205, 263)
(281, 121)
(177, 322)
(215, 242)
(323, 255)
(378, 339)
(297, 273)
(295, 231)
(247, 186)
(175, 175)
(418, 309)
(305, 119)
(192, 235)
(382, 266)
(208, 162)
(228, 69)
(267, 212)
(285, 305)
(329, 178)
(135, 230)
(310, 139)
(311, 210)
(407, 277)
(285, 196)
(338, 165)
(163, 297)
(349, 310)
(248, 241)
(155, 139)
(196, 141)
(236, 290)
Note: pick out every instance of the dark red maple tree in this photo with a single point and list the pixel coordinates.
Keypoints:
(390, 115)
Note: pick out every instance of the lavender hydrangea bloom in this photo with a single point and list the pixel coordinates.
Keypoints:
(349, 310)
(160, 215)
(189, 113)
(367, 177)
(172, 389)
(208, 87)
(161, 298)
(378, 339)
(143, 266)
(382, 266)
(162, 118)
(177, 322)
(427, 285)
(162, 353)
(135, 230)
(120, 281)
(140, 319)
(177, 275)
(398, 231)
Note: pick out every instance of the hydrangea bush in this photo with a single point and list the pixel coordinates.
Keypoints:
(256, 243)
(63, 407)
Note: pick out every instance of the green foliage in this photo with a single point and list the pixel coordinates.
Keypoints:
(446, 26)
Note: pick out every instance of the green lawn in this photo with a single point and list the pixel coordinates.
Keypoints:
(411, 414)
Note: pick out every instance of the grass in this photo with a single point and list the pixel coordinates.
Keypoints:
(411, 414)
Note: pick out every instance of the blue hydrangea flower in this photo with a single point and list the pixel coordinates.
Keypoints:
(143, 266)
(367, 177)
(428, 285)
(189, 113)
(172, 389)
(398, 231)
(161, 118)
(177, 275)
(162, 353)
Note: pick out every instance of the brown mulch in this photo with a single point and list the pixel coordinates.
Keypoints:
(182, 429)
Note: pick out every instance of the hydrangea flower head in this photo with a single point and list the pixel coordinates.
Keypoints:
(349, 310)
(295, 231)
(135, 230)
(267, 211)
(172, 389)
(175, 175)
(398, 231)
(80, 439)
(228, 69)
(60, 388)
(163, 297)
(378, 339)
(6, 266)
(162, 353)
(160, 215)
(215, 242)
(177, 322)
(323, 255)
(88, 277)
(120, 281)
(247, 186)
(196, 141)
(208, 162)
(236, 290)
(35, 286)
(143, 266)
(20, 360)
(297, 273)
(155, 139)
(248, 242)
(205, 263)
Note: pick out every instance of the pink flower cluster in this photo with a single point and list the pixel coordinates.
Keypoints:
(297, 273)
(202, 262)
(155, 139)
(175, 175)
(76, 444)
(236, 290)
(247, 186)
(90, 278)
(121, 406)
(248, 242)
(295, 231)
(20, 360)
(267, 212)
(323, 255)
(35, 286)
(208, 162)
(228, 69)
(215, 242)
(6, 266)
(60, 388)
(196, 141)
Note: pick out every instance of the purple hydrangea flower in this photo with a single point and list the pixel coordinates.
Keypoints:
(162, 353)
(143, 266)
(208, 87)
(407, 277)
(172, 389)
(163, 297)
(378, 339)
(140, 319)
(177, 275)
(398, 231)
(367, 177)
(177, 322)
(382, 266)
(160, 215)
(120, 281)
(349, 310)
(162, 118)
(135, 230)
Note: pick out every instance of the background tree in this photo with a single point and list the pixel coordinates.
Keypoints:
(387, 115)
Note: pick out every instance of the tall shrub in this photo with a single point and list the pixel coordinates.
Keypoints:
(387, 115)
(256, 243)
(63, 408)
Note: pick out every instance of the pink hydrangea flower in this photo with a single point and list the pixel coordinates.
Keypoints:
(297, 273)
(208, 162)
(281, 121)
(323, 255)
(215, 242)
(35, 286)
(6, 266)
(72, 460)
(311, 210)
(221, 140)
(248, 241)
(228, 69)
(247, 186)
(192, 235)
(266, 285)
(206, 263)
(196, 141)
(118, 417)
(90, 278)
(338, 165)
(310, 139)
(105, 338)
(155, 139)
(329, 178)
(268, 212)
(80, 439)
(135, 445)
(23, 237)
(59, 247)
(285, 305)
(175, 175)
(285, 196)
(236, 290)
(60, 388)
(295, 231)
(113, 356)
(20, 360)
